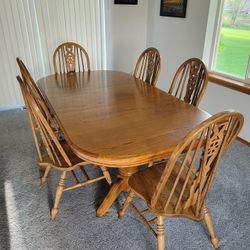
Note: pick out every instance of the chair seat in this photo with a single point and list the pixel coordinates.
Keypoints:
(144, 184)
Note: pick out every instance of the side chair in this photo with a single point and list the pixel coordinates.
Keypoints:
(180, 186)
(70, 57)
(57, 154)
(41, 100)
(35, 130)
(148, 66)
(190, 82)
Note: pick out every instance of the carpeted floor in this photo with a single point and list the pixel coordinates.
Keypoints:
(24, 205)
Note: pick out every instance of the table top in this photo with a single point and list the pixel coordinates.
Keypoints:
(113, 119)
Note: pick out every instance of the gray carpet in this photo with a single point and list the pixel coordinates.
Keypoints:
(24, 205)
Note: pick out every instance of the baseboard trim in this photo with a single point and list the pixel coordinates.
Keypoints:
(243, 141)
(6, 108)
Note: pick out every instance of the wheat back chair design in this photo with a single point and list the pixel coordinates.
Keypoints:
(190, 81)
(180, 186)
(70, 57)
(148, 66)
(58, 154)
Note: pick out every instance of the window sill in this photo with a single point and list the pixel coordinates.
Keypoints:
(241, 86)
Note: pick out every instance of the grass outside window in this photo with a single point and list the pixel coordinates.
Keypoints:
(234, 45)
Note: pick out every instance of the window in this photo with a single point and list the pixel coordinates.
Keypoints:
(232, 48)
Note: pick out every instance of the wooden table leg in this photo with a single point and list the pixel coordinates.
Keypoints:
(118, 187)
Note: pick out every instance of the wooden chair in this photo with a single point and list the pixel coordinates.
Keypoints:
(58, 154)
(34, 91)
(148, 66)
(33, 126)
(180, 186)
(70, 57)
(190, 81)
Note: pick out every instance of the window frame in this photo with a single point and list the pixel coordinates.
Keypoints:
(214, 48)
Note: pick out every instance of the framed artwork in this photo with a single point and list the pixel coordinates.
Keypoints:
(174, 8)
(126, 1)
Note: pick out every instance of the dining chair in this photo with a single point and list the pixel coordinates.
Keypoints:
(70, 57)
(180, 186)
(34, 90)
(45, 107)
(34, 129)
(41, 100)
(190, 81)
(148, 66)
(58, 154)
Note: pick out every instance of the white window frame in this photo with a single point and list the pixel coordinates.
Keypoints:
(215, 43)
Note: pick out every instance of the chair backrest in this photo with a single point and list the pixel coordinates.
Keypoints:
(190, 81)
(52, 145)
(148, 66)
(35, 91)
(33, 124)
(28, 79)
(70, 57)
(192, 166)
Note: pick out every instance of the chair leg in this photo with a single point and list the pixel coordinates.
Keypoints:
(126, 204)
(45, 175)
(106, 175)
(160, 233)
(59, 192)
(208, 221)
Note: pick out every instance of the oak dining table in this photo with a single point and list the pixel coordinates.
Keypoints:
(112, 119)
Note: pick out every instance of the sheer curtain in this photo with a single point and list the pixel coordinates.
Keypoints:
(32, 29)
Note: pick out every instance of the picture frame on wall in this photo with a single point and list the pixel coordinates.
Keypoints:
(133, 2)
(173, 8)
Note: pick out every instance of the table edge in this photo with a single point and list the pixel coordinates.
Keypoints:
(111, 162)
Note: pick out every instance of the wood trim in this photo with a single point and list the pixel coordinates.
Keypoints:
(243, 141)
(241, 86)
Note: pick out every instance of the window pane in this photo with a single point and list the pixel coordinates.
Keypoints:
(234, 44)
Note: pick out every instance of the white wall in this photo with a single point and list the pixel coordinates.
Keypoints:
(177, 38)
(128, 32)
(32, 30)
(218, 98)
(132, 28)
